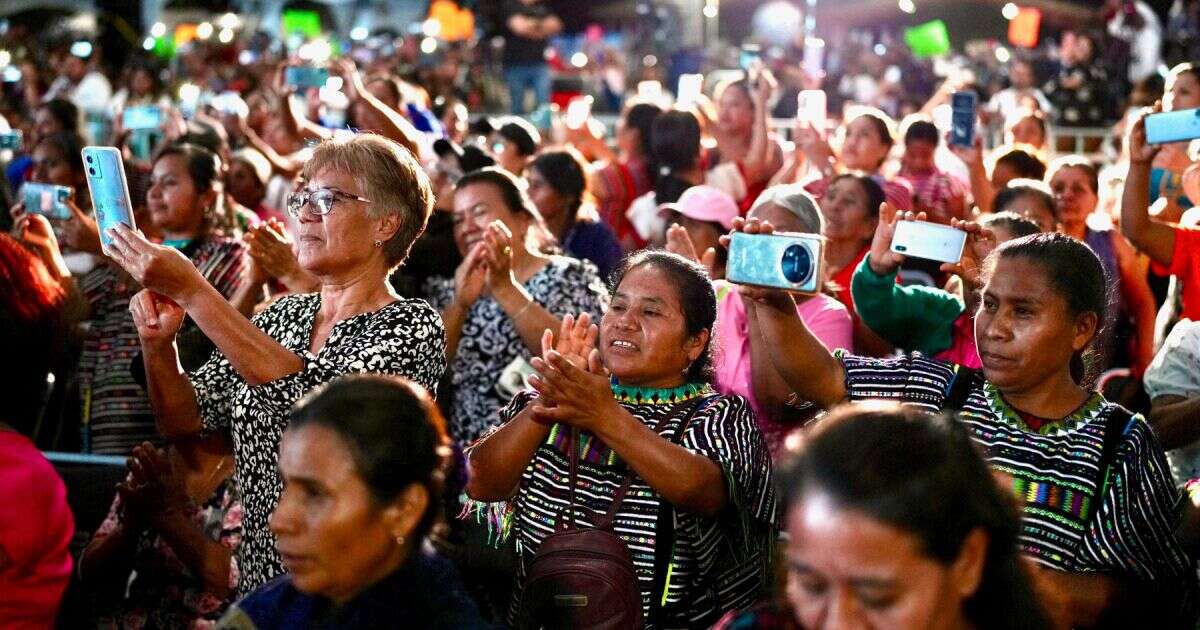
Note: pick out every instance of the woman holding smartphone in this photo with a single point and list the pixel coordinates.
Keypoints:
(1091, 474)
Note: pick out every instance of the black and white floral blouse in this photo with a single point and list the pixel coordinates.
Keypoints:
(490, 341)
(405, 338)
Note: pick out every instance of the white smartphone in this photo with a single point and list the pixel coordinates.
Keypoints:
(814, 56)
(811, 108)
(109, 189)
(784, 260)
(931, 241)
(649, 90)
(690, 88)
(578, 112)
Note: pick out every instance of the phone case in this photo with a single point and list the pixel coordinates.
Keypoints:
(789, 261)
(306, 76)
(811, 108)
(110, 191)
(962, 119)
(931, 241)
(46, 200)
(1173, 126)
(11, 140)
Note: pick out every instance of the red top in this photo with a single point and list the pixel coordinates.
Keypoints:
(1185, 263)
(36, 527)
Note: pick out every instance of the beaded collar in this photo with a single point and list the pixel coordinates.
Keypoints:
(1010, 416)
(635, 395)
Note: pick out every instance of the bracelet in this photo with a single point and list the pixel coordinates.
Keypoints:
(521, 312)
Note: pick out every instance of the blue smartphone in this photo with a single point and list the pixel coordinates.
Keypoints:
(1175, 126)
(11, 140)
(306, 76)
(105, 173)
(141, 117)
(750, 53)
(790, 261)
(47, 200)
(962, 119)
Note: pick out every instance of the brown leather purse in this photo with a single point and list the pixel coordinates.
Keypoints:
(584, 578)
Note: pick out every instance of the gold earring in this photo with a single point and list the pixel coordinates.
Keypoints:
(400, 539)
(378, 243)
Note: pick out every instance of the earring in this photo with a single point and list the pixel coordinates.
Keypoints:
(400, 540)
(378, 243)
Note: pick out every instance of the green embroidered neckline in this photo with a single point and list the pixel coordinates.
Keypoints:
(635, 395)
(1007, 414)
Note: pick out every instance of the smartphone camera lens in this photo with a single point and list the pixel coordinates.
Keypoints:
(89, 159)
(901, 248)
(797, 264)
(91, 171)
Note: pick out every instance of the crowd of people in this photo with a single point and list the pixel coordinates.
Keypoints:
(373, 372)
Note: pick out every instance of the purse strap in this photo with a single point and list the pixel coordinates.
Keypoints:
(606, 521)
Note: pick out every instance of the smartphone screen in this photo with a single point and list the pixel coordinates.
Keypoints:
(750, 54)
(814, 56)
(811, 109)
(105, 174)
(690, 88)
(962, 119)
(649, 90)
(47, 200)
(306, 76)
(578, 111)
(141, 117)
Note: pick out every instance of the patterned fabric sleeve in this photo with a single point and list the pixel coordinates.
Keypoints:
(1133, 533)
(725, 431)
(911, 379)
(409, 341)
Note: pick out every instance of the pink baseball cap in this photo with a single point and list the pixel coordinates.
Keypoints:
(705, 203)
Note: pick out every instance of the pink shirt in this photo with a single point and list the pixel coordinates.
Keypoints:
(35, 535)
(962, 348)
(827, 318)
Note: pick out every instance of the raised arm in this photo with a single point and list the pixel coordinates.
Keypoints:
(497, 461)
(805, 364)
(761, 160)
(395, 126)
(529, 318)
(1156, 239)
(176, 412)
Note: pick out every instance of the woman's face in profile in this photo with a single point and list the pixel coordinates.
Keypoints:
(341, 240)
(846, 569)
(330, 532)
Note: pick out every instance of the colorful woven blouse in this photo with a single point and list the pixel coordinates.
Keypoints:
(1066, 524)
(717, 564)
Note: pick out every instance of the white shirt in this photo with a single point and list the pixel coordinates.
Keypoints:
(1008, 102)
(1175, 371)
(1145, 44)
(90, 95)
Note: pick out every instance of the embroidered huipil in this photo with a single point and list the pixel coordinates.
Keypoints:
(717, 564)
(1055, 472)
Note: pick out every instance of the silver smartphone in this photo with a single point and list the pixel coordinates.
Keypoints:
(784, 260)
(931, 241)
(110, 191)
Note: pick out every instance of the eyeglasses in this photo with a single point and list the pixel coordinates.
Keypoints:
(320, 200)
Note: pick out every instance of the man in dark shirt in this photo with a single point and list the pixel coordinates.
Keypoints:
(529, 24)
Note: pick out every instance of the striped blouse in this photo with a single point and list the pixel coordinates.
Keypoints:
(717, 564)
(116, 410)
(1055, 472)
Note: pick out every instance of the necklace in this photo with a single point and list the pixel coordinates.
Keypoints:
(208, 488)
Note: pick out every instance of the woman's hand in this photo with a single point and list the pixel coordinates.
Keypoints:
(576, 341)
(883, 261)
(161, 494)
(35, 231)
(811, 143)
(679, 242)
(80, 232)
(157, 318)
(771, 298)
(271, 248)
(578, 397)
(498, 257)
(980, 242)
(161, 269)
(1141, 153)
(972, 156)
(470, 279)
